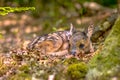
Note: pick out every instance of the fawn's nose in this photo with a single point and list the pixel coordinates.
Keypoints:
(73, 52)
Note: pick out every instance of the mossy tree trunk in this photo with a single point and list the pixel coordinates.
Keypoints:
(106, 64)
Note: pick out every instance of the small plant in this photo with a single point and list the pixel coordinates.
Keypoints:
(6, 10)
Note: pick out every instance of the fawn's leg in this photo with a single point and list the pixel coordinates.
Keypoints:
(60, 53)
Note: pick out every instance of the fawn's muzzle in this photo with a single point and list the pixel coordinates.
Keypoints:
(73, 52)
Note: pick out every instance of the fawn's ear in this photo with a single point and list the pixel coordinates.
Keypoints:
(90, 30)
(72, 29)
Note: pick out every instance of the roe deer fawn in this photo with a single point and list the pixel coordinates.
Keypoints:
(63, 42)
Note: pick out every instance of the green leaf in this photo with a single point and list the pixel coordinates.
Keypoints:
(6, 10)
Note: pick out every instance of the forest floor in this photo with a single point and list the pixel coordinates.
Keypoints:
(17, 30)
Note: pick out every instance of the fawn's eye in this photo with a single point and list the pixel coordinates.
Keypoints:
(81, 45)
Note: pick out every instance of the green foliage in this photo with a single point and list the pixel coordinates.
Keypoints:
(77, 71)
(24, 2)
(55, 8)
(106, 2)
(1, 36)
(6, 10)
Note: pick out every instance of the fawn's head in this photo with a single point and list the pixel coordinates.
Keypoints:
(80, 41)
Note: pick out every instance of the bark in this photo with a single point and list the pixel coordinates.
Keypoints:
(105, 26)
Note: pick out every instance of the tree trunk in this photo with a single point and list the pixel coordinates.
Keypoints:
(106, 64)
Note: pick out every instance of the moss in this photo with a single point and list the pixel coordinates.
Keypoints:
(109, 57)
(71, 61)
(21, 76)
(3, 69)
(24, 68)
(77, 71)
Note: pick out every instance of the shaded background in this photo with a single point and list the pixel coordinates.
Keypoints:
(49, 16)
